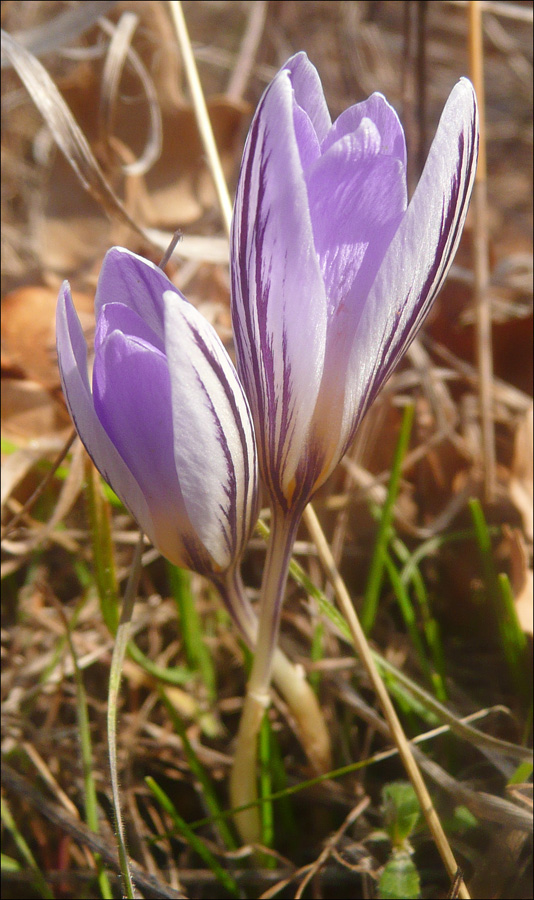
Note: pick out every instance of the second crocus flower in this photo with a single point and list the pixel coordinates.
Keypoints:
(333, 273)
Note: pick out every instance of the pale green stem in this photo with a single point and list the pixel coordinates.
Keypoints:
(289, 679)
(243, 786)
(119, 650)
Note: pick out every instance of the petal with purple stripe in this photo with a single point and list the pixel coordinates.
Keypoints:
(279, 302)
(214, 447)
(418, 259)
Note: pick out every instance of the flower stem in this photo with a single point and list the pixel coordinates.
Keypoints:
(288, 678)
(243, 787)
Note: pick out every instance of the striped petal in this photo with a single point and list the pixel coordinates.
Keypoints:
(419, 256)
(214, 446)
(279, 302)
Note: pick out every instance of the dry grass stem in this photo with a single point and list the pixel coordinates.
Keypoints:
(481, 258)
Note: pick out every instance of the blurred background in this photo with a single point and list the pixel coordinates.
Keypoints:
(132, 174)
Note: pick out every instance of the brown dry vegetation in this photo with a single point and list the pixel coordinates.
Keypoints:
(53, 229)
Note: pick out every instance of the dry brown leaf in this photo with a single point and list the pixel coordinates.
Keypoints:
(71, 228)
(29, 331)
(29, 411)
(178, 190)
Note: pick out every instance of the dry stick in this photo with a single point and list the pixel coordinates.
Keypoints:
(362, 648)
(201, 112)
(311, 519)
(481, 260)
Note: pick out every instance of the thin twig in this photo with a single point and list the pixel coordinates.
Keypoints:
(506, 10)
(14, 521)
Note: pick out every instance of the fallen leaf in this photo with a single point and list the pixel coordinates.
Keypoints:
(29, 332)
(29, 410)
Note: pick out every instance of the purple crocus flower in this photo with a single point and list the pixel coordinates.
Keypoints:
(333, 272)
(167, 423)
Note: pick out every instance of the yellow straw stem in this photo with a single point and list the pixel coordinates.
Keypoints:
(362, 648)
(201, 113)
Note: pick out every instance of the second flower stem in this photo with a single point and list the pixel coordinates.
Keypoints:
(289, 679)
(243, 787)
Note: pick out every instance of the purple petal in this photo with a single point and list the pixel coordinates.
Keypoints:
(306, 138)
(135, 282)
(214, 446)
(385, 119)
(421, 252)
(72, 360)
(357, 199)
(308, 92)
(279, 303)
(117, 317)
(132, 398)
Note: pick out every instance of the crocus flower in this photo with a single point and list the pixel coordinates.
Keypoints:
(167, 423)
(333, 272)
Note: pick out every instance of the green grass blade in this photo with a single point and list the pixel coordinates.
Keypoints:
(376, 568)
(316, 654)
(175, 675)
(408, 614)
(430, 625)
(84, 730)
(513, 641)
(208, 791)
(197, 654)
(521, 774)
(102, 545)
(266, 787)
(196, 843)
(38, 878)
